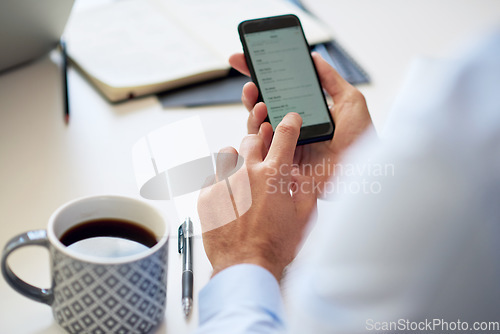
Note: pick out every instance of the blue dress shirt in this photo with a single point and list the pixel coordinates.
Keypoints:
(241, 299)
(420, 250)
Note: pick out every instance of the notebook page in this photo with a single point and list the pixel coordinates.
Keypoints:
(216, 21)
(132, 43)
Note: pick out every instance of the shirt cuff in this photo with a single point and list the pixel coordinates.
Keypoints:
(243, 286)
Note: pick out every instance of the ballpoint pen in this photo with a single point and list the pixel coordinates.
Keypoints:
(64, 66)
(185, 246)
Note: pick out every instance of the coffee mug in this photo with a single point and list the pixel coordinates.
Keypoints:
(108, 265)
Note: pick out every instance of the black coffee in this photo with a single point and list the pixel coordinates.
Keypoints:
(108, 237)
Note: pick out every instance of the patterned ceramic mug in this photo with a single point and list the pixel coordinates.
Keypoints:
(102, 288)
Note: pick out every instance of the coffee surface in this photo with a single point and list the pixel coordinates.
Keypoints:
(108, 237)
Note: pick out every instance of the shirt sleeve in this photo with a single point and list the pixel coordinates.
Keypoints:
(244, 298)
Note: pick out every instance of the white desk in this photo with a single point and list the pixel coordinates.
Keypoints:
(44, 163)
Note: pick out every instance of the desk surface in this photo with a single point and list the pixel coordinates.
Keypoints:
(45, 163)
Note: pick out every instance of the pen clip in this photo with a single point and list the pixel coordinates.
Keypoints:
(180, 238)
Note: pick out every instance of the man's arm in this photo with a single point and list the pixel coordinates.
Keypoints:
(256, 212)
(271, 204)
(270, 201)
(244, 298)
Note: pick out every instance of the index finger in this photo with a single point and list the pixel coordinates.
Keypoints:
(285, 138)
(330, 79)
(239, 63)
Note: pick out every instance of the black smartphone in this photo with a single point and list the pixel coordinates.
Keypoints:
(281, 66)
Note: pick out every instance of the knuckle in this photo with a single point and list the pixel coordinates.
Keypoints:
(356, 95)
(249, 141)
(252, 124)
(251, 120)
(272, 168)
(228, 149)
(286, 129)
(249, 138)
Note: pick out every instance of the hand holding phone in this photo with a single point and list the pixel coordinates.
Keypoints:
(281, 66)
(350, 114)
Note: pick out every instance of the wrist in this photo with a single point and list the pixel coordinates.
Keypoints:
(274, 269)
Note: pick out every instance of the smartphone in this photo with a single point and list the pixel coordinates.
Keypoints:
(281, 66)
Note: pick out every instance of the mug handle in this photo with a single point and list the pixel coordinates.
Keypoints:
(36, 237)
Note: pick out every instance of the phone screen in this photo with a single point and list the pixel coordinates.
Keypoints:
(286, 76)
